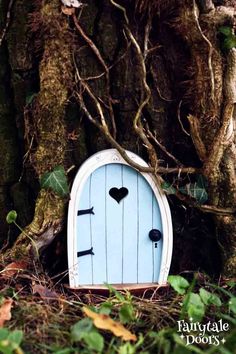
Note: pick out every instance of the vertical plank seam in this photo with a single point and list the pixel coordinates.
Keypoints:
(122, 264)
(137, 225)
(106, 222)
(153, 244)
(90, 225)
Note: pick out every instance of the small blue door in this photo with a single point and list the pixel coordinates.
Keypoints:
(118, 228)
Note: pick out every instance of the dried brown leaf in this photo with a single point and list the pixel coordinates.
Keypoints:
(12, 268)
(5, 311)
(44, 292)
(103, 321)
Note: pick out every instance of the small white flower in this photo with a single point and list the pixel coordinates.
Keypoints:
(72, 3)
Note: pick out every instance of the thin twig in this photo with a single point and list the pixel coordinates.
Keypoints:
(122, 9)
(146, 36)
(122, 151)
(138, 127)
(163, 148)
(179, 119)
(86, 87)
(216, 210)
(210, 51)
(8, 20)
(102, 126)
(102, 62)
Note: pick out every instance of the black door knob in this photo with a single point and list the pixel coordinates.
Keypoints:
(155, 235)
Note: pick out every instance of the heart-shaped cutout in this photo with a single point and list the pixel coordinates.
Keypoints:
(118, 194)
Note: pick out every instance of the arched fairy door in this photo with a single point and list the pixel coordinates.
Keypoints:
(119, 225)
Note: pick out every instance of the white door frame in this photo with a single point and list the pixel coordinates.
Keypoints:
(100, 159)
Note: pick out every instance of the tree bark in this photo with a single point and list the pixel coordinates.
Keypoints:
(149, 76)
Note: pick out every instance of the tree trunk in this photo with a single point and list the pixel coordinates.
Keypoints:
(147, 76)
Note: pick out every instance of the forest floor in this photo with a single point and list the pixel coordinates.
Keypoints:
(39, 315)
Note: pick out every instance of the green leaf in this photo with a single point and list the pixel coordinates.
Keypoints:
(105, 308)
(64, 351)
(15, 338)
(228, 319)
(195, 191)
(179, 283)
(126, 313)
(231, 283)
(127, 348)
(168, 188)
(191, 348)
(3, 333)
(11, 216)
(5, 347)
(95, 341)
(181, 350)
(232, 304)
(195, 307)
(229, 42)
(117, 294)
(80, 329)
(56, 180)
(30, 97)
(223, 350)
(209, 298)
(226, 30)
(202, 181)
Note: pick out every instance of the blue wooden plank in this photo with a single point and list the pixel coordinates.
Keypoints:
(113, 220)
(144, 244)
(84, 237)
(157, 246)
(130, 226)
(97, 225)
(118, 232)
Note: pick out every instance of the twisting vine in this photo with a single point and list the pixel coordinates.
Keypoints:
(100, 119)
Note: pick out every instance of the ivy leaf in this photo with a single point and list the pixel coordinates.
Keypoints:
(229, 42)
(196, 190)
(226, 30)
(195, 307)
(80, 329)
(30, 97)
(209, 298)
(94, 341)
(11, 216)
(179, 283)
(3, 333)
(168, 188)
(55, 180)
(15, 337)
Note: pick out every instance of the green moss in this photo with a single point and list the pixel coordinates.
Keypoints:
(48, 114)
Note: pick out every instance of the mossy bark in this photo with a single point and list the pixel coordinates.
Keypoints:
(212, 92)
(48, 112)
